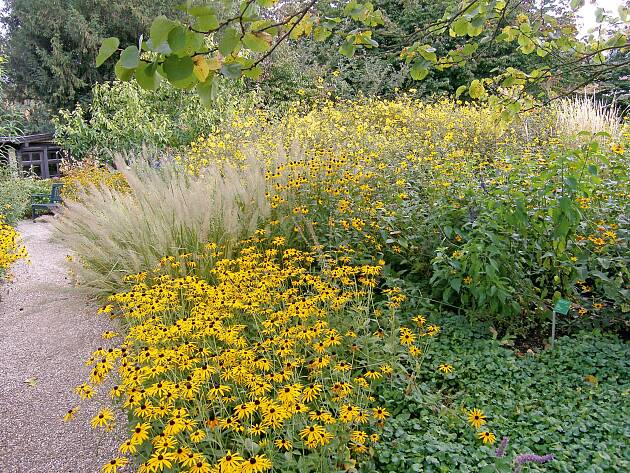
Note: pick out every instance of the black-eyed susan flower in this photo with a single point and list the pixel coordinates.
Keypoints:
(283, 444)
(486, 437)
(380, 413)
(68, 416)
(113, 465)
(476, 418)
(231, 462)
(102, 419)
(256, 464)
(160, 461)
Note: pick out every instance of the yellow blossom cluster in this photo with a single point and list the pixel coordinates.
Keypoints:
(349, 168)
(274, 360)
(80, 175)
(10, 248)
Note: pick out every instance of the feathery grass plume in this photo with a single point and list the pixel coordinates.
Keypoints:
(167, 211)
(577, 114)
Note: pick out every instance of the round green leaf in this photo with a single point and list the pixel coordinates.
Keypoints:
(147, 76)
(130, 57)
(255, 43)
(229, 41)
(178, 68)
(108, 47)
(122, 73)
(232, 70)
(207, 91)
(207, 23)
(419, 71)
(160, 28)
(177, 39)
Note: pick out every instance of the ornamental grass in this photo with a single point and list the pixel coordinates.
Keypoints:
(161, 210)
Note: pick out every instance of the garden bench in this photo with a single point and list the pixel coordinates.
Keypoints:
(53, 201)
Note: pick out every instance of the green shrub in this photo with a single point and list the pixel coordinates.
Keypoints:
(15, 194)
(124, 117)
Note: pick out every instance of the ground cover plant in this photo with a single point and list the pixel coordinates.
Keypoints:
(566, 402)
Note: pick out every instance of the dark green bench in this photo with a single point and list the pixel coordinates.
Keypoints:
(53, 201)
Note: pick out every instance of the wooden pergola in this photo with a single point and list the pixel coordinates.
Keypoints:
(32, 154)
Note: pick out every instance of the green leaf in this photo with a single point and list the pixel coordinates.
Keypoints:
(178, 68)
(201, 10)
(347, 49)
(321, 34)
(229, 41)
(460, 26)
(456, 284)
(527, 45)
(232, 70)
(130, 57)
(123, 74)
(206, 23)
(255, 43)
(108, 47)
(207, 91)
(177, 39)
(147, 76)
(160, 28)
(253, 73)
(460, 90)
(419, 71)
(476, 89)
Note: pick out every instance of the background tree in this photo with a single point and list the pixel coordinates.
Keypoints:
(51, 45)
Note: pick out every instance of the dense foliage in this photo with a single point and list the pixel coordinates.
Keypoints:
(15, 194)
(285, 288)
(51, 46)
(123, 117)
(500, 221)
(234, 39)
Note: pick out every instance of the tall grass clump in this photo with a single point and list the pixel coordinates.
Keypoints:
(577, 114)
(165, 211)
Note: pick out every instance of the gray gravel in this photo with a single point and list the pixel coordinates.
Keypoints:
(47, 331)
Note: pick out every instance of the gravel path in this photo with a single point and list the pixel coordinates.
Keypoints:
(46, 333)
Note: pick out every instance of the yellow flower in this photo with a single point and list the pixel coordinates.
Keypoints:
(160, 461)
(476, 418)
(71, 413)
(445, 368)
(283, 444)
(113, 465)
(102, 419)
(617, 148)
(380, 413)
(140, 433)
(230, 463)
(487, 437)
(256, 464)
(407, 337)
